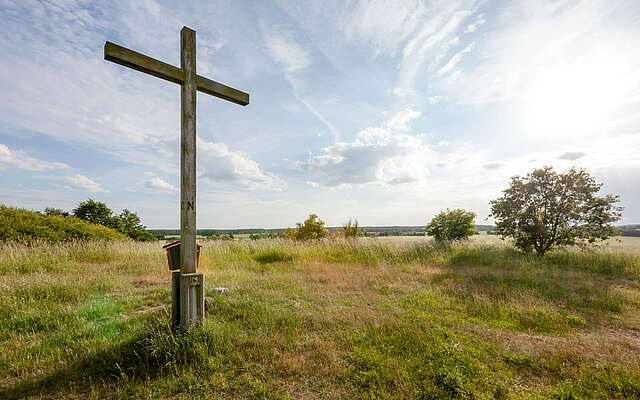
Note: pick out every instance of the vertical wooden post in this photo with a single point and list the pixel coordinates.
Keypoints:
(188, 300)
(187, 285)
(188, 153)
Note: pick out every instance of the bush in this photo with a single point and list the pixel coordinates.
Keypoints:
(311, 228)
(451, 225)
(351, 229)
(29, 226)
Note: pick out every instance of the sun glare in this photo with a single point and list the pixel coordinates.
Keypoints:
(570, 100)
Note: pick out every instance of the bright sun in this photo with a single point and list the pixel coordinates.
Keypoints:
(570, 100)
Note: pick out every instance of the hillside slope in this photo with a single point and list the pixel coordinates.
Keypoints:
(29, 226)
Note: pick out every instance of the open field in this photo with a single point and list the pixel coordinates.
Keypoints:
(370, 318)
(624, 244)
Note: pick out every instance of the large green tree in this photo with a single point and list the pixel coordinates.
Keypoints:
(545, 209)
(130, 224)
(93, 211)
(451, 225)
(127, 222)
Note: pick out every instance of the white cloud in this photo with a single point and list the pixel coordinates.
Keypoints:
(291, 56)
(380, 155)
(81, 182)
(219, 164)
(158, 183)
(405, 93)
(20, 159)
(400, 120)
(432, 41)
(384, 24)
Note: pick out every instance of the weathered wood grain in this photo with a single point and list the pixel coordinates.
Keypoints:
(142, 63)
(188, 153)
(222, 91)
(151, 66)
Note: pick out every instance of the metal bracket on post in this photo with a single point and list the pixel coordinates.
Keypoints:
(191, 298)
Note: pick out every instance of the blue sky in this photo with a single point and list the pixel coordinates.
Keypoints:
(384, 111)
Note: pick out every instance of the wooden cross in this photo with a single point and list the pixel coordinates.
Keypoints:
(188, 285)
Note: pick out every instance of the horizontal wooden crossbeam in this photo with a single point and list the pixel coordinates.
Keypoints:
(151, 66)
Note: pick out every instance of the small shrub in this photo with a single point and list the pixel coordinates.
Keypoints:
(351, 229)
(311, 228)
(451, 225)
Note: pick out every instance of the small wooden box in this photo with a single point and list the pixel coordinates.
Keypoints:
(173, 255)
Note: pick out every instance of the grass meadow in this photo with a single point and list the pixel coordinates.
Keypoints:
(388, 318)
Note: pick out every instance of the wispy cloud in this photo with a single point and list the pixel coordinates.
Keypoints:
(472, 27)
(293, 59)
(383, 24)
(290, 55)
(454, 60)
(20, 159)
(433, 40)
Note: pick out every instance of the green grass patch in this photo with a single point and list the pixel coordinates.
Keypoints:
(272, 256)
(100, 317)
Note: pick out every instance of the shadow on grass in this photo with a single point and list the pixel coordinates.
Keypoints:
(150, 354)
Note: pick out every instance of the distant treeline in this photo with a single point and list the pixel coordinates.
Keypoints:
(379, 230)
(399, 230)
(629, 230)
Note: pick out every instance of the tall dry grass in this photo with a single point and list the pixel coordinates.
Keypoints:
(336, 318)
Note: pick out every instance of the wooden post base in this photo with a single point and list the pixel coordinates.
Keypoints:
(187, 300)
